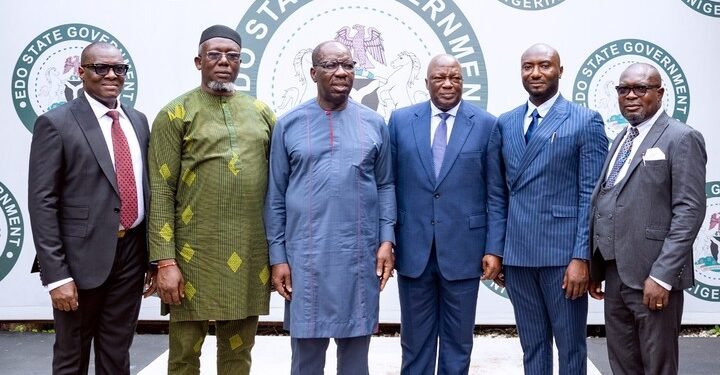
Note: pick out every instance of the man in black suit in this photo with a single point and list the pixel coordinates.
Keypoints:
(87, 199)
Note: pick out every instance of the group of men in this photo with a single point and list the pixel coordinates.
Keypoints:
(322, 206)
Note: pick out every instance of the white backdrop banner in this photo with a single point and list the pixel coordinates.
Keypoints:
(42, 40)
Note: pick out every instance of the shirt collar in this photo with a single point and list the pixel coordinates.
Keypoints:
(543, 108)
(645, 126)
(100, 109)
(434, 111)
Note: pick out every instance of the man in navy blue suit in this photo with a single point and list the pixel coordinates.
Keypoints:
(550, 153)
(438, 150)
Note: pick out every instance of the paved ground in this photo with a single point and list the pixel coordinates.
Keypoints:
(30, 353)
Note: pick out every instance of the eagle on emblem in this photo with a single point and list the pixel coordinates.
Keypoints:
(72, 64)
(360, 46)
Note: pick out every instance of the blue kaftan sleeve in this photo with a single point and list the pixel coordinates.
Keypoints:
(386, 188)
(275, 210)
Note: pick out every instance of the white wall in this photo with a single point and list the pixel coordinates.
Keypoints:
(161, 36)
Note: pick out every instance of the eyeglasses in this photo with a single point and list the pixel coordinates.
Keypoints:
(638, 90)
(217, 55)
(104, 69)
(348, 66)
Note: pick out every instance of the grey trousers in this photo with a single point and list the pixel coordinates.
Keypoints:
(640, 341)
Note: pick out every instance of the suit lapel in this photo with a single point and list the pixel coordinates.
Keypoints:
(142, 137)
(421, 129)
(91, 128)
(650, 139)
(613, 148)
(606, 164)
(140, 133)
(541, 138)
(461, 128)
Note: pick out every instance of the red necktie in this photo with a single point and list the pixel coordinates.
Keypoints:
(124, 173)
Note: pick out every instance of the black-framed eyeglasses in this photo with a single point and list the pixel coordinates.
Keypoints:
(217, 55)
(638, 90)
(348, 66)
(104, 69)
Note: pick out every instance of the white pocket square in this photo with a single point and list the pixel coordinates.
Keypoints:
(653, 154)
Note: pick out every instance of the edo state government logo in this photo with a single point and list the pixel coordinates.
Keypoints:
(11, 231)
(46, 73)
(595, 82)
(391, 41)
(707, 7)
(531, 4)
(495, 287)
(707, 248)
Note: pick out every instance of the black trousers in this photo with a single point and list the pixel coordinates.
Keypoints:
(106, 315)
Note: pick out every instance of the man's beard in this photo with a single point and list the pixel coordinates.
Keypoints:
(221, 86)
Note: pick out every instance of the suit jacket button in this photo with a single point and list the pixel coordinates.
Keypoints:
(437, 195)
(116, 210)
(432, 222)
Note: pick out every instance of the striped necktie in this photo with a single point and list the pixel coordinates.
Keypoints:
(622, 156)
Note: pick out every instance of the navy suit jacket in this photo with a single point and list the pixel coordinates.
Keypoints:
(450, 209)
(543, 197)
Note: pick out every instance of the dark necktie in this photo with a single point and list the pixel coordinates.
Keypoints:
(124, 173)
(622, 156)
(533, 125)
(440, 142)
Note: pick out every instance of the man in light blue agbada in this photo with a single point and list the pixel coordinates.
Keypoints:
(329, 217)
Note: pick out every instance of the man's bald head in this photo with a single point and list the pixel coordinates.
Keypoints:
(541, 49)
(444, 81)
(540, 70)
(317, 53)
(640, 92)
(643, 69)
(91, 49)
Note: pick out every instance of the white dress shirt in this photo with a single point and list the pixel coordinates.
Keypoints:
(542, 109)
(643, 128)
(435, 120)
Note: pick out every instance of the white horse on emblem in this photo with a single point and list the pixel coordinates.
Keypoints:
(398, 89)
(298, 94)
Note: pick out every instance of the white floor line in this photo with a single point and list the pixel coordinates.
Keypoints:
(271, 356)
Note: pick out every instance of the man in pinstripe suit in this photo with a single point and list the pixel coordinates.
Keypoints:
(550, 153)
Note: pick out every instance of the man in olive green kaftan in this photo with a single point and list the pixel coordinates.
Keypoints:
(208, 173)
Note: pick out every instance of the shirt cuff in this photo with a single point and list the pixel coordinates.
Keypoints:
(662, 283)
(50, 287)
